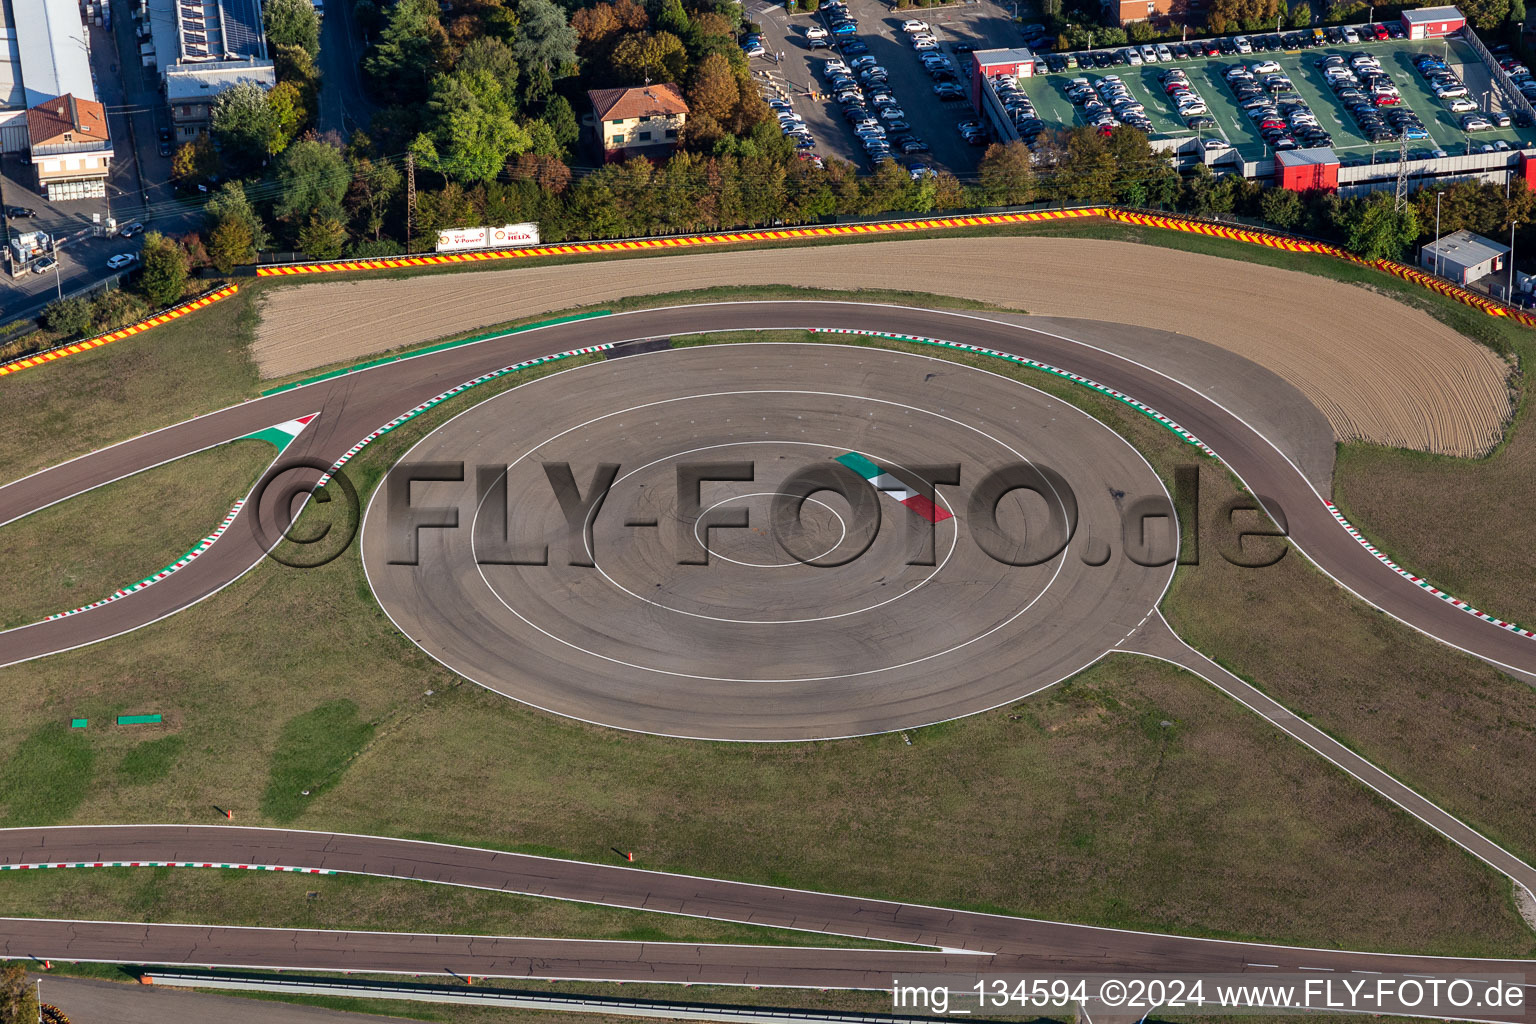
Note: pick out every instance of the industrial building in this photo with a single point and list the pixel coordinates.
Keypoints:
(48, 104)
(201, 48)
(1463, 257)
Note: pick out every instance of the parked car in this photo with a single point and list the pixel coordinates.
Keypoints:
(122, 259)
(949, 91)
(42, 266)
(912, 25)
(19, 212)
(136, 228)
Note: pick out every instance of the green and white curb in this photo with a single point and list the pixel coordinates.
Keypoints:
(281, 436)
(429, 403)
(167, 864)
(1034, 364)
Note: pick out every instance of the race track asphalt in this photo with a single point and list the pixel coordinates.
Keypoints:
(756, 644)
(969, 944)
(352, 406)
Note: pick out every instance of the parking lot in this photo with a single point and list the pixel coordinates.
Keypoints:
(1234, 126)
(800, 78)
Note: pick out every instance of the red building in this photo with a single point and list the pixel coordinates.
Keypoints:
(1432, 22)
(1018, 62)
(1302, 170)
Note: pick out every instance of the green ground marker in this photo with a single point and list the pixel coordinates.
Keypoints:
(138, 719)
(78, 723)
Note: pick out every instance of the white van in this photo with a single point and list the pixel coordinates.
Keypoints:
(1163, 53)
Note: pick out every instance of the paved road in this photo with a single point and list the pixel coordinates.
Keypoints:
(970, 943)
(351, 407)
(107, 1002)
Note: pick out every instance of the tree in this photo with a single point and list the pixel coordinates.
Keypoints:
(230, 203)
(673, 18)
(18, 996)
(1517, 13)
(324, 236)
(562, 121)
(1280, 207)
(312, 177)
(1486, 14)
(231, 244)
(411, 46)
(487, 53)
(1140, 32)
(1301, 15)
(164, 278)
(1376, 229)
(474, 127)
(1007, 177)
(650, 56)
(195, 161)
(288, 113)
(244, 123)
(543, 37)
(69, 317)
(292, 23)
(373, 185)
(713, 92)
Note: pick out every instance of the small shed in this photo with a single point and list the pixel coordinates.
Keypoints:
(1463, 256)
(1432, 22)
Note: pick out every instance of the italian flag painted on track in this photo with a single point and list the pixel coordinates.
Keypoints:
(282, 435)
(888, 484)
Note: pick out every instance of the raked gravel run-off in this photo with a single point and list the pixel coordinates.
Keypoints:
(1379, 370)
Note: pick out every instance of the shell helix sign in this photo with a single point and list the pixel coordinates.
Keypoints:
(507, 236)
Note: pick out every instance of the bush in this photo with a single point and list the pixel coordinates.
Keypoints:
(117, 308)
(69, 316)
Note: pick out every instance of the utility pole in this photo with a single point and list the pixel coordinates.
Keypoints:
(410, 199)
(1437, 232)
(1401, 201)
(1509, 296)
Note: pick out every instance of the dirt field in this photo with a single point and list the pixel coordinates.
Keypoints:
(1379, 371)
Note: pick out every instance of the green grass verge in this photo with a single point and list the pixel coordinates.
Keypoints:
(1075, 805)
(83, 549)
(46, 776)
(192, 365)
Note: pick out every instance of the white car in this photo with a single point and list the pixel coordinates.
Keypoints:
(833, 68)
(1451, 92)
(1133, 56)
(1242, 44)
(1163, 52)
(1266, 67)
(911, 26)
(1461, 106)
(121, 260)
(815, 32)
(1148, 55)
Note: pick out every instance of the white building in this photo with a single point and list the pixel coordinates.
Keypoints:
(201, 48)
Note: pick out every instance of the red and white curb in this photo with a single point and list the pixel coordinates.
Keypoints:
(280, 436)
(1419, 581)
(429, 403)
(1034, 364)
(166, 864)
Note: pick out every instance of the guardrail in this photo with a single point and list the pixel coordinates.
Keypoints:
(428, 992)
